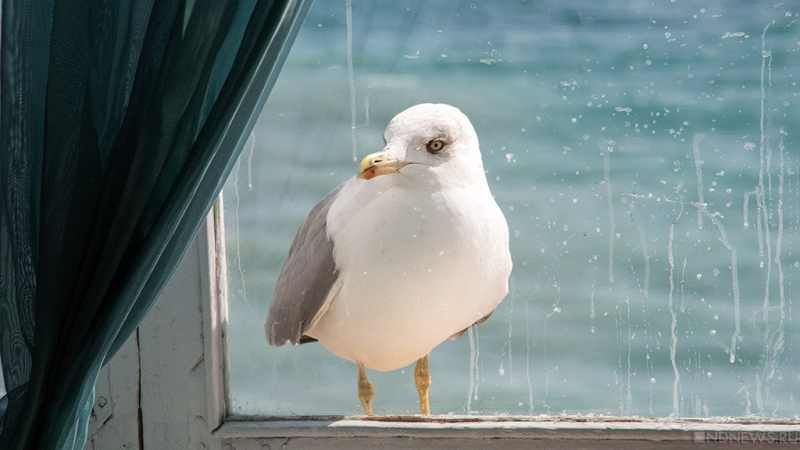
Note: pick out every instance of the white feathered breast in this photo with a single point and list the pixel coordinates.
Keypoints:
(405, 285)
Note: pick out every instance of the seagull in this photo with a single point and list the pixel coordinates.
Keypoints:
(411, 251)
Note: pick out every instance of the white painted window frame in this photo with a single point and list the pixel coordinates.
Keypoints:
(167, 388)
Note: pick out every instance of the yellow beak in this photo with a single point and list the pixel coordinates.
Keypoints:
(378, 164)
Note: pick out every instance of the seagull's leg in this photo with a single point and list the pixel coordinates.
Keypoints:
(365, 391)
(422, 378)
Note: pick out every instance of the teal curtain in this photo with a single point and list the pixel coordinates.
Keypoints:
(119, 122)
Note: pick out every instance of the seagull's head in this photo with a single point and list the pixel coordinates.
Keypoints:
(428, 143)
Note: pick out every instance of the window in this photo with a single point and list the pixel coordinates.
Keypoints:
(644, 156)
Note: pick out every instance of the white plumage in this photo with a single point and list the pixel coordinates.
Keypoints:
(421, 252)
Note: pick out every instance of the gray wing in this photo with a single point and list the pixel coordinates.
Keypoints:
(305, 280)
(461, 333)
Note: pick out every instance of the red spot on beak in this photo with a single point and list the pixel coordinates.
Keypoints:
(369, 175)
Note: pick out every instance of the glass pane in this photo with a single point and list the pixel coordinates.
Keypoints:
(646, 157)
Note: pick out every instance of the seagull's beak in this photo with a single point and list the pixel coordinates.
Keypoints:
(378, 164)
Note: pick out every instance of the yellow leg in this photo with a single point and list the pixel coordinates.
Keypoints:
(422, 379)
(365, 391)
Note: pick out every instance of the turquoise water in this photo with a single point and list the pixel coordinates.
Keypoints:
(646, 157)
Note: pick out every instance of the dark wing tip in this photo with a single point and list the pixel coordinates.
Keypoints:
(278, 335)
(306, 340)
(272, 339)
(462, 332)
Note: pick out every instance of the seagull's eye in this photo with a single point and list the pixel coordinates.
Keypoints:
(435, 146)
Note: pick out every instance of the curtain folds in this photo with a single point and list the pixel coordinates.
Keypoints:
(119, 122)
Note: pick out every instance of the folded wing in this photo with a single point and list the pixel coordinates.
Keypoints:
(307, 277)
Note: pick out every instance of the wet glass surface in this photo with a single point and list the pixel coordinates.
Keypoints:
(646, 158)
